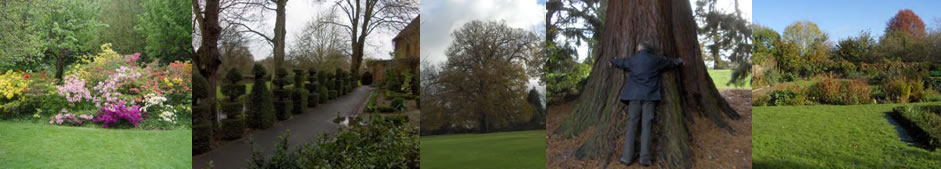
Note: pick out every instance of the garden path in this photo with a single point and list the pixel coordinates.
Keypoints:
(304, 128)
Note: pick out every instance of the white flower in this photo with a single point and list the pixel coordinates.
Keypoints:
(153, 100)
(168, 116)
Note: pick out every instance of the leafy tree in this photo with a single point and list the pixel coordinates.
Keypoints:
(906, 21)
(484, 79)
(20, 46)
(764, 50)
(812, 47)
(725, 32)
(855, 49)
(120, 31)
(68, 29)
(166, 31)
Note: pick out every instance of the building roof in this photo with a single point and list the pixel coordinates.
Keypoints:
(411, 28)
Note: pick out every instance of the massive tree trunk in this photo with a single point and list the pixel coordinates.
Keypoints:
(279, 33)
(208, 58)
(669, 26)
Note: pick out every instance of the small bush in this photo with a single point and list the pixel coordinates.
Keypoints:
(324, 94)
(760, 99)
(333, 94)
(901, 90)
(792, 96)
(845, 92)
(202, 138)
(398, 104)
(384, 142)
(284, 108)
(232, 128)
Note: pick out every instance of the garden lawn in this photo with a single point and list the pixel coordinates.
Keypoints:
(722, 76)
(831, 136)
(519, 149)
(39, 145)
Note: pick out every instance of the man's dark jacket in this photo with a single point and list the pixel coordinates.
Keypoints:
(644, 80)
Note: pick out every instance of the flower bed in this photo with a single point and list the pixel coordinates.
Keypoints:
(114, 89)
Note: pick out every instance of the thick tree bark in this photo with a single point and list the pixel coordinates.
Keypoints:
(669, 26)
(208, 58)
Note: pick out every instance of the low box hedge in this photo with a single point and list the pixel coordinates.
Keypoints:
(926, 120)
(232, 128)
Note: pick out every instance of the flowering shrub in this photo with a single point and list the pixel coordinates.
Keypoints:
(70, 118)
(73, 89)
(13, 84)
(169, 116)
(117, 112)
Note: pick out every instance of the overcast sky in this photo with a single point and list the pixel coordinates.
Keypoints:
(299, 12)
(440, 18)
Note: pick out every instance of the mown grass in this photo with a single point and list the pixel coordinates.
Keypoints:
(38, 145)
(721, 78)
(519, 149)
(830, 136)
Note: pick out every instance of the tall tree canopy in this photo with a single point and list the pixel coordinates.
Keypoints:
(670, 26)
(484, 80)
(906, 21)
(168, 33)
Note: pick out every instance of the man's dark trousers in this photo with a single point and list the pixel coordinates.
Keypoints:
(639, 112)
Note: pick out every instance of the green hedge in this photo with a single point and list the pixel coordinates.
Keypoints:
(312, 88)
(333, 94)
(384, 142)
(283, 109)
(926, 118)
(202, 138)
(232, 128)
(324, 94)
(300, 100)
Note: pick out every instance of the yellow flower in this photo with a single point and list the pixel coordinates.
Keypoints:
(177, 80)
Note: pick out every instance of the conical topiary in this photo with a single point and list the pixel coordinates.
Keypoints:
(233, 126)
(202, 127)
(313, 87)
(283, 103)
(261, 111)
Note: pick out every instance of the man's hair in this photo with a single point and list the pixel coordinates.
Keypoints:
(644, 45)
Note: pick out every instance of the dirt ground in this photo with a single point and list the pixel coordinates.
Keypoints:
(712, 147)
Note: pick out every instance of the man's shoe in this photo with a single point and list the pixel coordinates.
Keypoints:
(625, 162)
(645, 163)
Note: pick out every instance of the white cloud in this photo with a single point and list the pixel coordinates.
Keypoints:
(440, 18)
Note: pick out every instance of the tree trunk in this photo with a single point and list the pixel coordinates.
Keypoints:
(669, 26)
(279, 33)
(208, 57)
(357, 57)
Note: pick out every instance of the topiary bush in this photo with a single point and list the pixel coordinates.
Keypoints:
(333, 94)
(283, 103)
(202, 138)
(232, 128)
(261, 112)
(324, 89)
(300, 100)
(313, 87)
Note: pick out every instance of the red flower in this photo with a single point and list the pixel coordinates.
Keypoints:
(25, 75)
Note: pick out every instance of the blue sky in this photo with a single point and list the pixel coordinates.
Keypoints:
(842, 18)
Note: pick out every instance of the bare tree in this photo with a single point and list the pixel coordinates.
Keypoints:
(366, 16)
(321, 45)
